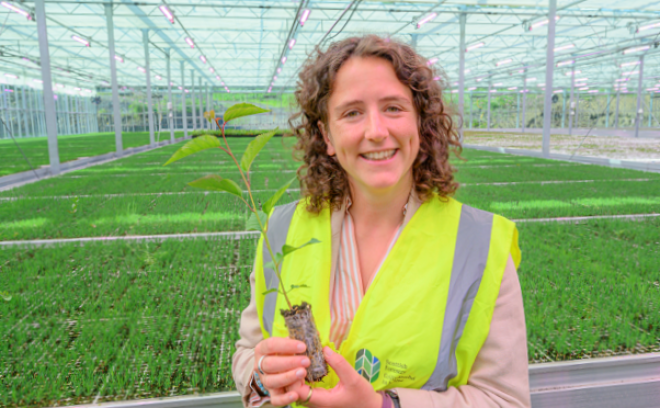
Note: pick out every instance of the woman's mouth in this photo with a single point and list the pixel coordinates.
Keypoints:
(377, 156)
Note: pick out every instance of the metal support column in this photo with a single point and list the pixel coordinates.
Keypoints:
(461, 74)
(184, 109)
(170, 104)
(607, 114)
(577, 109)
(572, 105)
(150, 105)
(616, 111)
(640, 111)
(517, 110)
(35, 132)
(201, 104)
(208, 105)
(192, 97)
(524, 100)
(563, 108)
(116, 113)
(650, 107)
(490, 88)
(26, 113)
(471, 103)
(549, 74)
(49, 97)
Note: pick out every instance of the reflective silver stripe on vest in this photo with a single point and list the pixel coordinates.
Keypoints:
(470, 256)
(278, 228)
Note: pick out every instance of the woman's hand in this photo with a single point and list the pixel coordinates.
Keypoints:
(352, 391)
(283, 367)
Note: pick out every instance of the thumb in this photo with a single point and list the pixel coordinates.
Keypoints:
(338, 363)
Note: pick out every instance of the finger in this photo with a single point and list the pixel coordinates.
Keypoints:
(280, 364)
(271, 381)
(282, 399)
(279, 345)
(297, 387)
(345, 371)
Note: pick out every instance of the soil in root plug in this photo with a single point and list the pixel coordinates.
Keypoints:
(300, 322)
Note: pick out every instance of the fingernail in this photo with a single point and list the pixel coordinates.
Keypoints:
(300, 373)
(292, 397)
(329, 351)
(301, 347)
(305, 361)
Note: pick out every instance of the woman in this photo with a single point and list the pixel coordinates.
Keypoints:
(415, 296)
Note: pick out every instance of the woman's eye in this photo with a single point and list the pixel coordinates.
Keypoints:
(393, 109)
(352, 114)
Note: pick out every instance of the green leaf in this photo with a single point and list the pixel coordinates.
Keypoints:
(6, 296)
(270, 203)
(287, 249)
(242, 109)
(253, 224)
(271, 264)
(213, 182)
(196, 145)
(254, 148)
(270, 291)
(293, 287)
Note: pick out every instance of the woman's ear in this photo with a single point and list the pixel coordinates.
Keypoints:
(330, 149)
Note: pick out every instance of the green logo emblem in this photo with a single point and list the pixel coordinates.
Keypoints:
(367, 365)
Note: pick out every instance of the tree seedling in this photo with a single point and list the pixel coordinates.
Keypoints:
(298, 318)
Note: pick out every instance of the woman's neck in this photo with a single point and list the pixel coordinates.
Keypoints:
(380, 207)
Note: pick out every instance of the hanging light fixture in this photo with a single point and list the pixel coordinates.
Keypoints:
(167, 13)
(80, 40)
(636, 49)
(305, 16)
(190, 42)
(475, 46)
(563, 63)
(426, 19)
(17, 10)
(541, 23)
(564, 47)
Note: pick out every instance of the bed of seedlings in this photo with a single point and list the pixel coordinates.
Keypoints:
(70, 148)
(124, 320)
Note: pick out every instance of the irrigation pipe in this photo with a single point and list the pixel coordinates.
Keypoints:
(255, 234)
(627, 381)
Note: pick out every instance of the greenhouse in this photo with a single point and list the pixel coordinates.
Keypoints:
(128, 233)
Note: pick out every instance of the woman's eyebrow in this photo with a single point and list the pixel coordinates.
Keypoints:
(395, 98)
(392, 98)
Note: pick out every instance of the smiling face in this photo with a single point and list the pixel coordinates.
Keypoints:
(372, 125)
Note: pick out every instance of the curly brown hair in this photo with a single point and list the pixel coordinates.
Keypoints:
(323, 180)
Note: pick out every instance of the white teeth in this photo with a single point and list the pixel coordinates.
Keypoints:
(384, 155)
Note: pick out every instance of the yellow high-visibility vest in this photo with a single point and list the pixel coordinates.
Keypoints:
(428, 310)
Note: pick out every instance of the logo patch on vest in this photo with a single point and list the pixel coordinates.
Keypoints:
(367, 365)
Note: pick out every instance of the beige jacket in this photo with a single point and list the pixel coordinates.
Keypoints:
(499, 376)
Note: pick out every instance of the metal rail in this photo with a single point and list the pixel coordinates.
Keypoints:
(626, 164)
(139, 238)
(34, 243)
(614, 382)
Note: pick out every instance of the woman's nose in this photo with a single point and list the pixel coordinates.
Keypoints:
(376, 130)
